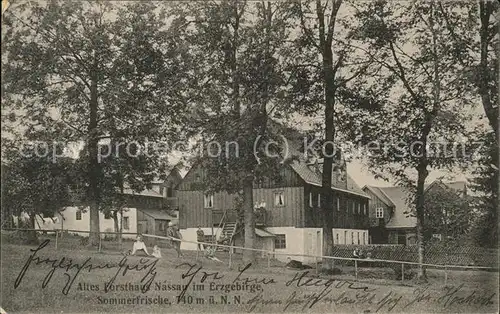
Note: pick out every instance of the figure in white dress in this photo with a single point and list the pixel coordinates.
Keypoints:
(139, 246)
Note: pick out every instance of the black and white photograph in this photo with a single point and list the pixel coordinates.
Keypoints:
(250, 156)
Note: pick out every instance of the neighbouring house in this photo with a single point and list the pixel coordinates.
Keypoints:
(148, 211)
(75, 218)
(287, 218)
(389, 212)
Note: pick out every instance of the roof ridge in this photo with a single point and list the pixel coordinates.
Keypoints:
(385, 194)
(372, 189)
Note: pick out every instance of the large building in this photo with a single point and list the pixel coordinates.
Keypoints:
(288, 219)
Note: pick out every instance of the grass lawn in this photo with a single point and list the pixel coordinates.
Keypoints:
(467, 291)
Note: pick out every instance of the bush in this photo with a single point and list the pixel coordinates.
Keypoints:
(410, 273)
(21, 237)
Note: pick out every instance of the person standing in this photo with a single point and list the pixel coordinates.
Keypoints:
(177, 243)
(169, 233)
(200, 237)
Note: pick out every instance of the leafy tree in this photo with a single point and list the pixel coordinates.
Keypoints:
(485, 185)
(447, 213)
(474, 37)
(236, 47)
(33, 184)
(323, 68)
(101, 71)
(422, 114)
(484, 77)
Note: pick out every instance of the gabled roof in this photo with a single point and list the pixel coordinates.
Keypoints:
(401, 216)
(455, 185)
(398, 197)
(294, 139)
(381, 195)
(174, 173)
(314, 178)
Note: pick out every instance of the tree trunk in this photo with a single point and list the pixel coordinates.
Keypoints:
(249, 220)
(116, 225)
(420, 201)
(94, 167)
(485, 11)
(329, 149)
(32, 235)
(327, 197)
(120, 235)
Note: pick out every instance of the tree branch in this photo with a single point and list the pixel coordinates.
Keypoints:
(307, 32)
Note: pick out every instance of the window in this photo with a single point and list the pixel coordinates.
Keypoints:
(338, 204)
(337, 236)
(352, 237)
(310, 199)
(379, 213)
(353, 207)
(209, 200)
(126, 223)
(280, 241)
(107, 215)
(364, 237)
(359, 242)
(345, 236)
(364, 208)
(170, 191)
(161, 190)
(359, 208)
(279, 200)
(436, 236)
(78, 215)
(319, 200)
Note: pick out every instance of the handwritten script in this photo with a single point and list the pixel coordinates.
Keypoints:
(68, 264)
(300, 291)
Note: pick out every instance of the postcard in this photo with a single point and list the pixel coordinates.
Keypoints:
(318, 156)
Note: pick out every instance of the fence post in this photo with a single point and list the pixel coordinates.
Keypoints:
(316, 262)
(356, 268)
(402, 272)
(230, 258)
(56, 238)
(100, 242)
(445, 276)
(268, 260)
